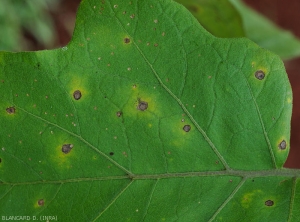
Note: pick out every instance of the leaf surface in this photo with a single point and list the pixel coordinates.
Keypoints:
(145, 116)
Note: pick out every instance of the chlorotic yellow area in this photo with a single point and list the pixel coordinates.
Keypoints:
(78, 84)
(137, 95)
(278, 143)
(289, 100)
(248, 198)
(35, 204)
(262, 68)
(180, 135)
(62, 160)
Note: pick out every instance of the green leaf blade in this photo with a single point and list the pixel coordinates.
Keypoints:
(114, 128)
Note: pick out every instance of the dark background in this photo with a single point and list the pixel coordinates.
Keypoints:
(284, 13)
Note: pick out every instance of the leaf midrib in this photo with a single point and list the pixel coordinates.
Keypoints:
(284, 172)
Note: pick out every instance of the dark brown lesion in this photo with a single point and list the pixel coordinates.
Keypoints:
(269, 203)
(11, 110)
(41, 202)
(66, 148)
(77, 95)
(282, 145)
(143, 105)
(187, 128)
(260, 75)
(126, 40)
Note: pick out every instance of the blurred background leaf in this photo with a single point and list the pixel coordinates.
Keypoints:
(233, 18)
(219, 17)
(25, 21)
(266, 34)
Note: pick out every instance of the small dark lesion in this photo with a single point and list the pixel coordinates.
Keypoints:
(187, 128)
(11, 110)
(269, 203)
(41, 202)
(66, 148)
(282, 145)
(77, 95)
(119, 113)
(260, 75)
(142, 105)
(126, 40)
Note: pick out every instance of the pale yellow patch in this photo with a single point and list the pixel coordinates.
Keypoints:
(278, 142)
(36, 205)
(139, 94)
(78, 84)
(181, 137)
(61, 159)
(248, 198)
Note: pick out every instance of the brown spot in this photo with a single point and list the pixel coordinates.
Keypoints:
(11, 110)
(260, 75)
(155, 45)
(269, 203)
(142, 105)
(66, 148)
(77, 95)
(127, 40)
(187, 128)
(119, 114)
(282, 145)
(41, 202)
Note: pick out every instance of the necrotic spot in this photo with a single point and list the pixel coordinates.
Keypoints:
(66, 148)
(260, 75)
(119, 114)
(269, 203)
(282, 145)
(127, 40)
(111, 153)
(77, 95)
(10, 110)
(41, 202)
(187, 128)
(142, 105)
